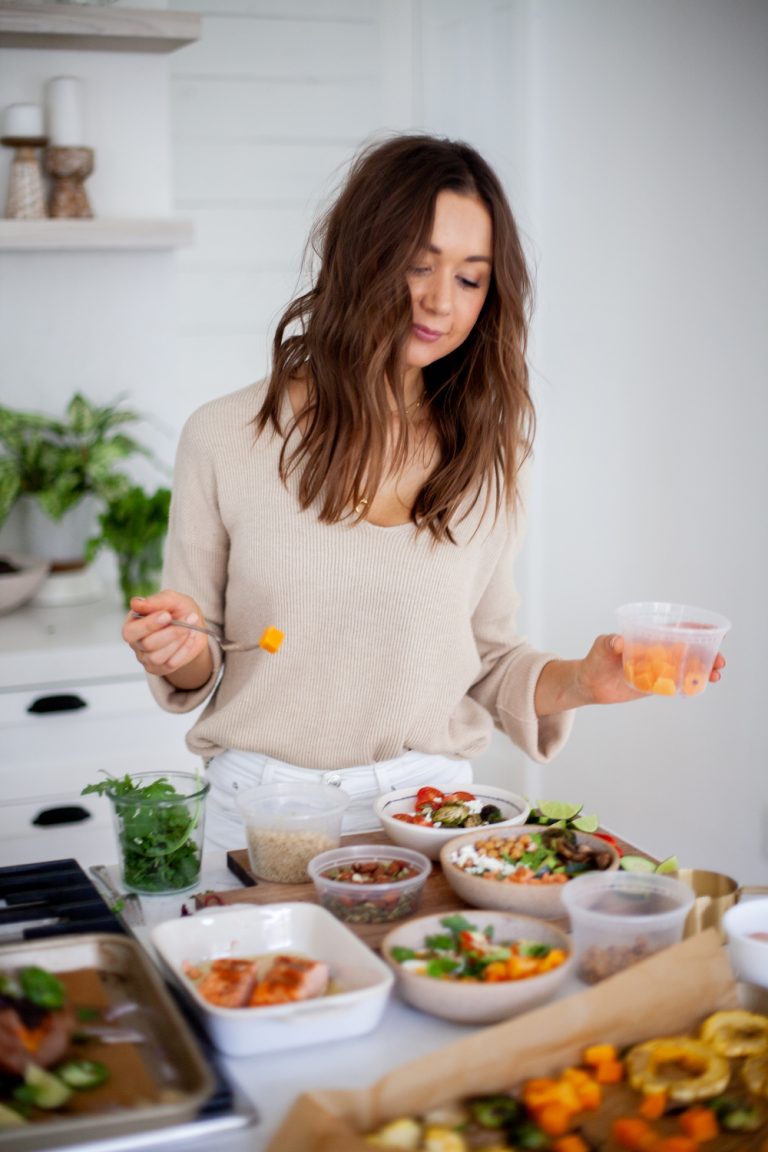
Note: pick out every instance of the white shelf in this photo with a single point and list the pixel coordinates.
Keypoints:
(92, 28)
(100, 234)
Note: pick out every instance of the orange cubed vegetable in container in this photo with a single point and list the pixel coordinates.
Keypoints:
(271, 639)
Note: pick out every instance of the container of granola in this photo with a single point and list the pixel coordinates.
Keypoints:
(287, 824)
(618, 918)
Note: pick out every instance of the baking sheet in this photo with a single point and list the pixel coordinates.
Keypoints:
(159, 1082)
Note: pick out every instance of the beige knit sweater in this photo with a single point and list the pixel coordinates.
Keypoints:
(392, 642)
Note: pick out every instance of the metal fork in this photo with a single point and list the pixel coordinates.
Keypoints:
(270, 641)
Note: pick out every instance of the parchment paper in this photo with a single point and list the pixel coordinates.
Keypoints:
(670, 992)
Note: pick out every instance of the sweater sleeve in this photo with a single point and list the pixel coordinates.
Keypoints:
(196, 551)
(510, 666)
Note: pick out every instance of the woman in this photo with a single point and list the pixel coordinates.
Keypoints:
(365, 500)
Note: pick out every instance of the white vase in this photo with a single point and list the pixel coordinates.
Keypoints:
(62, 542)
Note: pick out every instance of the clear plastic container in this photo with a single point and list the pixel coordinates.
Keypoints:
(287, 824)
(618, 918)
(669, 649)
(360, 902)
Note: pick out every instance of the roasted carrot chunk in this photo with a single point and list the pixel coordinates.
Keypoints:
(699, 1123)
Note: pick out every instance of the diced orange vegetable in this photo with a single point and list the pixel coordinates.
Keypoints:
(495, 972)
(271, 639)
(634, 1134)
(676, 1144)
(572, 1142)
(538, 1092)
(554, 1119)
(598, 1053)
(590, 1095)
(699, 1123)
(609, 1072)
(654, 1105)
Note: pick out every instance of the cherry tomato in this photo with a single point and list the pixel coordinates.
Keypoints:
(609, 840)
(428, 798)
(458, 798)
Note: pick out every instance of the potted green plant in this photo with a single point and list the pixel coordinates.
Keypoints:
(58, 464)
(134, 526)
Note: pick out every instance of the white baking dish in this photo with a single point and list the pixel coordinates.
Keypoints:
(362, 978)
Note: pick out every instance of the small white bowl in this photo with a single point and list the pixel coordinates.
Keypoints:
(249, 931)
(540, 900)
(16, 588)
(466, 1001)
(429, 840)
(746, 930)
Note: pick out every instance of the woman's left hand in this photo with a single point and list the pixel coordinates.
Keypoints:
(600, 677)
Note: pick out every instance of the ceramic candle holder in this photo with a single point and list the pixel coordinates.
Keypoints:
(68, 169)
(26, 197)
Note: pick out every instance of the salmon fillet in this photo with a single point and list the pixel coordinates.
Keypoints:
(229, 983)
(291, 978)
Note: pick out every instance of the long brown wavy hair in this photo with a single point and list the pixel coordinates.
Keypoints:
(347, 333)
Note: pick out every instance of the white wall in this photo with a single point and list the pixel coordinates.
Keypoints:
(650, 186)
(630, 134)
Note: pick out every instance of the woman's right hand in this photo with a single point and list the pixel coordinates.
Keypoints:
(163, 650)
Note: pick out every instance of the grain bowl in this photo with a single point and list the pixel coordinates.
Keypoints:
(370, 883)
(287, 824)
(411, 816)
(505, 964)
(522, 869)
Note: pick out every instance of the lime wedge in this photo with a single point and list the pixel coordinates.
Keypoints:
(637, 864)
(559, 810)
(586, 823)
(671, 864)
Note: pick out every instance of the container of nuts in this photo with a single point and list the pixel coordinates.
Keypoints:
(287, 824)
(370, 884)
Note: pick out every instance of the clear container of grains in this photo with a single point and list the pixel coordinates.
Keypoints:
(287, 824)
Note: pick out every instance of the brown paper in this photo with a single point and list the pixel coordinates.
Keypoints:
(666, 994)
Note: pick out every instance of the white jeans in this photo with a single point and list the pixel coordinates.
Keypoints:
(232, 772)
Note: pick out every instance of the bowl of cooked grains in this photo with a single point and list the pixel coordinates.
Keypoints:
(287, 824)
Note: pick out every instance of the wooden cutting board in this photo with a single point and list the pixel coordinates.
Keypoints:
(437, 897)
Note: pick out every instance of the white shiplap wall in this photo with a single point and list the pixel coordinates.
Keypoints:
(267, 111)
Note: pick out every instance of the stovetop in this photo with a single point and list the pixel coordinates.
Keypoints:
(57, 898)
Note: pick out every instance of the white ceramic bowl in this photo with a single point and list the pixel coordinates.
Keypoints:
(429, 840)
(469, 1002)
(376, 903)
(540, 900)
(363, 980)
(746, 930)
(16, 588)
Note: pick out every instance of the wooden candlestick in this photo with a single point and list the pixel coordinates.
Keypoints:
(68, 169)
(26, 198)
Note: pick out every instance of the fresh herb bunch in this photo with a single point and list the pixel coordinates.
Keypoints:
(134, 525)
(156, 830)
